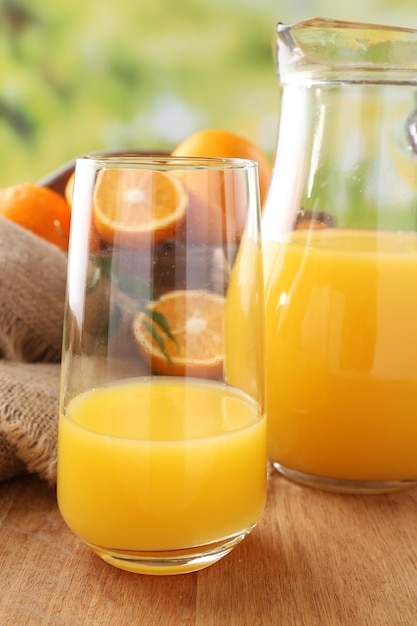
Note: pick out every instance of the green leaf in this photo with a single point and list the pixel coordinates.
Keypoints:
(158, 318)
(132, 285)
(159, 340)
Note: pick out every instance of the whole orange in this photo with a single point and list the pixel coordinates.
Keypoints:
(216, 142)
(217, 206)
(39, 209)
(69, 188)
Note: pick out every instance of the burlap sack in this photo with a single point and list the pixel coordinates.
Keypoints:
(28, 418)
(32, 292)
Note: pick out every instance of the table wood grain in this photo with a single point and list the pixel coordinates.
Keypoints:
(315, 558)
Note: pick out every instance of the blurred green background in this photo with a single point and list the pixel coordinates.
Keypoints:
(84, 75)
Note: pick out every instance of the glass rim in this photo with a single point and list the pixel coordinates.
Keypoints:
(167, 162)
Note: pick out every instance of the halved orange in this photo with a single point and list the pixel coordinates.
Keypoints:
(182, 333)
(134, 207)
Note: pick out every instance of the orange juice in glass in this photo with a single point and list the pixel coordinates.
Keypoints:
(169, 470)
(339, 232)
(162, 436)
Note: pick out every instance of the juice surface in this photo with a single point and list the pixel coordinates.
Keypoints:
(341, 335)
(161, 464)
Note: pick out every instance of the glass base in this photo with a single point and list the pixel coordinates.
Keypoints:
(339, 485)
(171, 561)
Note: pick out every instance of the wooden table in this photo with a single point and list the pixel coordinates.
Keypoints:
(316, 558)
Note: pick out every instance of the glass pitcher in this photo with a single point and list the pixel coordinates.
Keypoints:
(339, 234)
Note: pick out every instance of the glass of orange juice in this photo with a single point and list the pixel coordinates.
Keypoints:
(340, 257)
(162, 435)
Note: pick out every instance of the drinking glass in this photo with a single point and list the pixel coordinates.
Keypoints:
(340, 256)
(162, 435)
